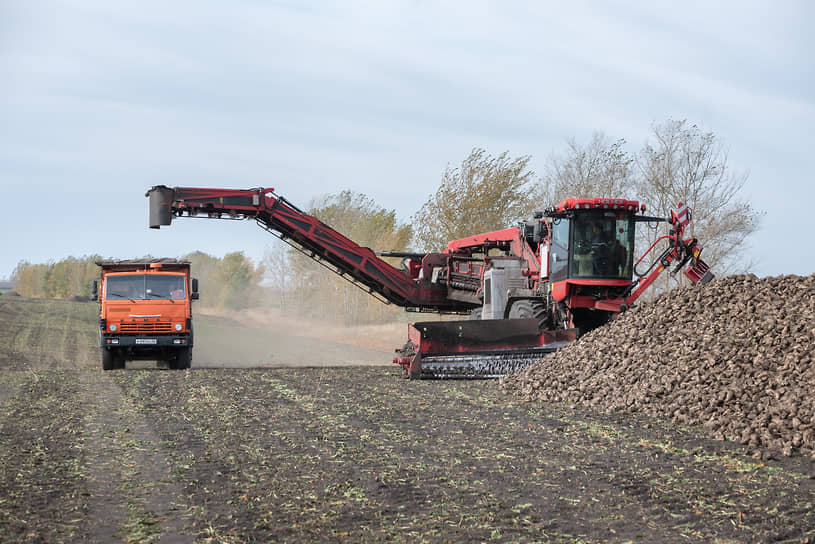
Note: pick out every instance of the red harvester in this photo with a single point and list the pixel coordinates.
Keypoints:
(528, 289)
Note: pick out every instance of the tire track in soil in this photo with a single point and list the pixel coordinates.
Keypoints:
(132, 494)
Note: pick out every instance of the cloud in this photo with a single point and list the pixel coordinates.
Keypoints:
(109, 98)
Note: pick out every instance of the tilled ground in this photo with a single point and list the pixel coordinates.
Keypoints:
(355, 454)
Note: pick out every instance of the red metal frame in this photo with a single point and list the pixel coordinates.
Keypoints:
(318, 240)
(598, 203)
(510, 238)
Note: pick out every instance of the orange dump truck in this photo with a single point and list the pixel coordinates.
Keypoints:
(145, 311)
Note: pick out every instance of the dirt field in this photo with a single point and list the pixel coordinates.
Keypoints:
(344, 454)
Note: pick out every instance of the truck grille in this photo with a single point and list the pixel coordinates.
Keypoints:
(146, 327)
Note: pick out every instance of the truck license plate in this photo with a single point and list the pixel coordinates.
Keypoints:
(146, 341)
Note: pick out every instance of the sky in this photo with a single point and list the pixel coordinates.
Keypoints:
(100, 100)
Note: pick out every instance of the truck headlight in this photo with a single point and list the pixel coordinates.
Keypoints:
(179, 326)
(113, 327)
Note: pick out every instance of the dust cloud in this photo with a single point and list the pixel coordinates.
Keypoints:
(254, 338)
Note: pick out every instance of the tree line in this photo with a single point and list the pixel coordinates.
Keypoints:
(229, 282)
(69, 277)
(679, 162)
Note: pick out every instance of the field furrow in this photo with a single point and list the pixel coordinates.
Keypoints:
(352, 454)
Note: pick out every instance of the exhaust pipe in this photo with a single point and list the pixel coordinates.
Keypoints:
(161, 201)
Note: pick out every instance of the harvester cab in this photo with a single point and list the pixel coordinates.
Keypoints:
(591, 241)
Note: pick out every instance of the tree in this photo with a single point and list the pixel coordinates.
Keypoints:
(232, 282)
(277, 265)
(485, 193)
(203, 267)
(682, 163)
(29, 279)
(239, 281)
(598, 169)
(320, 293)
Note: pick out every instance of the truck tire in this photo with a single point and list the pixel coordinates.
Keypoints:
(108, 360)
(182, 360)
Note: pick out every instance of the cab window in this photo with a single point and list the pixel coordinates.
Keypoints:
(602, 245)
(559, 250)
(145, 287)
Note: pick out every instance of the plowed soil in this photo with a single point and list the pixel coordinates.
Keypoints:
(347, 454)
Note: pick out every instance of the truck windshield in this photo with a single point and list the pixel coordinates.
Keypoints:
(603, 245)
(145, 287)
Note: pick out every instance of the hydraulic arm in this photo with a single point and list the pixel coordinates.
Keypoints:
(305, 232)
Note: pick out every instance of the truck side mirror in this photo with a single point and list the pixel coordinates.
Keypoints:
(194, 295)
(94, 290)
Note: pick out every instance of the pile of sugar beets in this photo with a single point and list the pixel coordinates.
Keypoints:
(735, 356)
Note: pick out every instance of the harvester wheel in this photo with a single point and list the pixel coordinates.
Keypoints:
(477, 314)
(526, 308)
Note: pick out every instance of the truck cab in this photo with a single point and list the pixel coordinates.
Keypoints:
(145, 312)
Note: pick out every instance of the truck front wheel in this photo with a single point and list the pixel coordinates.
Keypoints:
(112, 359)
(108, 360)
(183, 359)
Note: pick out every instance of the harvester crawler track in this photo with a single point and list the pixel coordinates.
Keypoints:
(482, 365)
(476, 349)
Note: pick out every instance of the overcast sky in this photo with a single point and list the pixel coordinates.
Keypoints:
(101, 100)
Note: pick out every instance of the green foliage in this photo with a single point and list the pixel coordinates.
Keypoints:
(318, 292)
(485, 193)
